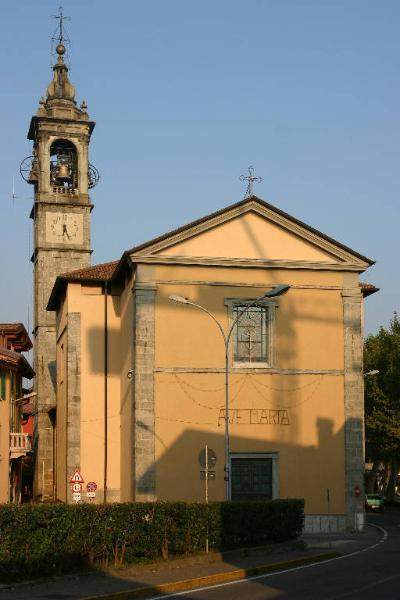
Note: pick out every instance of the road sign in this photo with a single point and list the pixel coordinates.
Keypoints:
(211, 458)
(76, 487)
(91, 494)
(76, 496)
(91, 486)
(77, 477)
(210, 475)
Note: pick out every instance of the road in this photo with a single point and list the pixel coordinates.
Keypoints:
(369, 575)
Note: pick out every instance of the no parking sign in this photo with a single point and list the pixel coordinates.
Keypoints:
(91, 488)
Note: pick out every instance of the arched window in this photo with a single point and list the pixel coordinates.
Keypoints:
(63, 166)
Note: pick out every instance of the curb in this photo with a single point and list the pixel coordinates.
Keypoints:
(190, 584)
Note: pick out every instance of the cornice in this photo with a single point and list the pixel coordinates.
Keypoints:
(76, 204)
(70, 248)
(255, 263)
(259, 371)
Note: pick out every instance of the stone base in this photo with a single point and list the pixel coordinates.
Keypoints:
(324, 523)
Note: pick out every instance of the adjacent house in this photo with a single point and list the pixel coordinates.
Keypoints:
(14, 443)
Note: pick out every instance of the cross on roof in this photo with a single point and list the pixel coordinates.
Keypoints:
(61, 39)
(250, 178)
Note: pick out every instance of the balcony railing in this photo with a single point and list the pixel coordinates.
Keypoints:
(65, 191)
(20, 444)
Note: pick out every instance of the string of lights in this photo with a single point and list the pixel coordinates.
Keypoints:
(190, 397)
(284, 390)
(158, 418)
(287, 407)
(238, 380)
(232, 384)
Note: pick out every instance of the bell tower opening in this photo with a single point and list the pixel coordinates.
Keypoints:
(63, 167)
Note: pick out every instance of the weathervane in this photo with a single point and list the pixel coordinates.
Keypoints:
(250, 178)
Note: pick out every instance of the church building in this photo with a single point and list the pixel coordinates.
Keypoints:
(130, 359)
(156, 367)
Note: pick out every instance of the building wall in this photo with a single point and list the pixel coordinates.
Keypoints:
(84, 397)
(306, 381)
(166, 386)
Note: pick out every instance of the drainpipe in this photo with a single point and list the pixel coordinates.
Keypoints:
(105, 388)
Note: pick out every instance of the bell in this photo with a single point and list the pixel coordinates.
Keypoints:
(63, 172)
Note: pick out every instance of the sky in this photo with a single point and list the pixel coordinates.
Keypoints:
(187, 94)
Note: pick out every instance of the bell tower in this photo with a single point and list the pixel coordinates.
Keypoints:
(61, 174)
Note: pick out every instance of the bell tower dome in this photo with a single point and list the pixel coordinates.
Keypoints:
(62, 176)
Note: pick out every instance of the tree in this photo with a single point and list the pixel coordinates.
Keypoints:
(382, 401)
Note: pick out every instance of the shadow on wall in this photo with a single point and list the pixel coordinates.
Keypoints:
(95, 345)
(303, 471)
(52, 367)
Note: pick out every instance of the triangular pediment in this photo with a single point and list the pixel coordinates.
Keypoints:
(250, 231)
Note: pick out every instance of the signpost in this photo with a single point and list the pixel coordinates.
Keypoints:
(77, 482)
(207, 460)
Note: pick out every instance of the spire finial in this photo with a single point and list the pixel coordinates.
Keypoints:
(60, 36)
(250, 178)
(60, 87)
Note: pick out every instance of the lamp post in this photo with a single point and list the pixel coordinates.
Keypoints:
(278, 290)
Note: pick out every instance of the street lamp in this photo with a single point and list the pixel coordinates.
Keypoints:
(277, 290)
(371, 373)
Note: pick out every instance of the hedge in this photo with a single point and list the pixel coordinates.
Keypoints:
(42, 539)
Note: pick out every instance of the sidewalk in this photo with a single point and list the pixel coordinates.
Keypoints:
(214, 567)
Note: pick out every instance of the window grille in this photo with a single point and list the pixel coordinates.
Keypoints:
(251, 343)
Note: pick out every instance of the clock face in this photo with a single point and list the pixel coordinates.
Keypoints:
(64, 228)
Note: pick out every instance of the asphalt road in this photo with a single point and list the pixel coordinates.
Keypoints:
(372, 574)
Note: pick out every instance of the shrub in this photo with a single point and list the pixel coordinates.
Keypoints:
(42, 539)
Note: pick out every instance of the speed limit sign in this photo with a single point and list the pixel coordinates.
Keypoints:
(76, 487)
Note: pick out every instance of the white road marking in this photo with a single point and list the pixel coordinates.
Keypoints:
(283, 572)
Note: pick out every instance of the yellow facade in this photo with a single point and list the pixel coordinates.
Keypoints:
(166, 370)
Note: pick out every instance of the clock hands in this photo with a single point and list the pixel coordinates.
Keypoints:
(65, 232)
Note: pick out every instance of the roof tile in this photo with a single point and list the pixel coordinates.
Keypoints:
(367, 288)
(17, 360)
(102, 271)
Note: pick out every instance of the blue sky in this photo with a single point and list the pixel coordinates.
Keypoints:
(187, 94)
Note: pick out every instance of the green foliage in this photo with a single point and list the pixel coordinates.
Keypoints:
(256, 523)
(382, 393)
(42, 539)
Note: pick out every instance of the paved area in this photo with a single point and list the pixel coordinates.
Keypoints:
(79, 586)
(368, 573)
